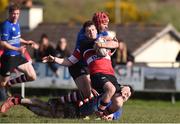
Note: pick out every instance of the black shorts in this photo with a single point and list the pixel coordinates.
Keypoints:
(98, 80)
(8, 63)
(77, 70)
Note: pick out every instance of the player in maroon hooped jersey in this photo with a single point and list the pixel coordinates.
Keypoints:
(101, 71)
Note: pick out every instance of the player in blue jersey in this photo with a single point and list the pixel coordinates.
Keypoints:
(56, 108)
(12, 56)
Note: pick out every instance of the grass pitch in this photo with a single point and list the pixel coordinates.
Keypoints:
(134, 111)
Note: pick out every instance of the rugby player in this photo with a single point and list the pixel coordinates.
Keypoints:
(55, 108)
(79, 70)
(12, 51)
(101, 70)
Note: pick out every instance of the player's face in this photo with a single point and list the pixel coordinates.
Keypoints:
(103, 26)
(91, 32)
(125, 93)
(14, 15)
(45, 42)
(62, 44)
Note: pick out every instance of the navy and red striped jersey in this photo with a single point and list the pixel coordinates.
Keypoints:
(95, 63)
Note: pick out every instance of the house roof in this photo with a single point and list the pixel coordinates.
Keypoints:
(54, 32)
(135, 36)
(169, 29)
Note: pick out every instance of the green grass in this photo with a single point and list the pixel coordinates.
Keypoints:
(134, 111)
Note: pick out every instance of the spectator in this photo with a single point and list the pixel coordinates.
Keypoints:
(122, 56)
(44, 49)
(61, 49)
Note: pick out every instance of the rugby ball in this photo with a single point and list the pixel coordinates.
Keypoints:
(102, 52)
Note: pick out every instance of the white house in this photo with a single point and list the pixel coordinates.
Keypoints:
(153, 45)
(161, 50)
(31, 17)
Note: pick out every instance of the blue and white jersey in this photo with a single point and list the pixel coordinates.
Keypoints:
(11, 33)
(104, 33)
(81, 37)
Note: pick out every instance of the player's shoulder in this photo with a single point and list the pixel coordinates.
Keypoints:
(6, 23)
(81, 35)
(104, 33)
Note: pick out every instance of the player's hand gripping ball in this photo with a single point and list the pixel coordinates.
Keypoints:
(102, 52)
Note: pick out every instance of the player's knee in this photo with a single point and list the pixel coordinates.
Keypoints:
(87, 94)
(111, 90)
(32, 77)
(2, 84)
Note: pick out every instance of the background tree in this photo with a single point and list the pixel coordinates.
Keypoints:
(129, 12)
(3, 6)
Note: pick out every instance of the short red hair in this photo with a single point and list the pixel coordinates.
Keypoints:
(99, 18)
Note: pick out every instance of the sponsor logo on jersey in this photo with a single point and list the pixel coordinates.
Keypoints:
(103, 78)
(13, 28)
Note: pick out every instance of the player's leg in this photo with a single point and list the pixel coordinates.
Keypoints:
(29, 74)
(119, 98)
(74, 97)
(58, 109)
(117, 103)
(7, 64)
(18, 100)
(109, 91)
(39, 107)
(103, 84)
(83, 84)
(28, 70)
(4, 80)
(81, 78)
(39, 111)
(35, 103)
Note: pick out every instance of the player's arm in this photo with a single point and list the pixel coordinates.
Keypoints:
(28, 42)
(74, 58)
(61, 61)
(110, 43)
(6, 45)
(33, 44)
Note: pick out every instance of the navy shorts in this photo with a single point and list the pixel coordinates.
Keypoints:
(8, 63)
(98, 80)
(77, 70)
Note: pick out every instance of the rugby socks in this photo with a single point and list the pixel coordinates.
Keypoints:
(102, 106)
(20, 79)
(71, 97)
(92, 95)
(76, 96)
(17, 99)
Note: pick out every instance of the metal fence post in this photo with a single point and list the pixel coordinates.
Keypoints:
(23, 90)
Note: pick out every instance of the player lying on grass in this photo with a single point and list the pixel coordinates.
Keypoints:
(57, 108)
(100, 67)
